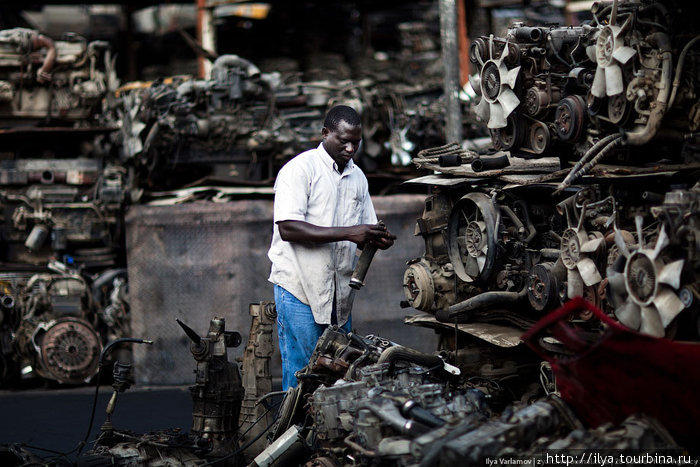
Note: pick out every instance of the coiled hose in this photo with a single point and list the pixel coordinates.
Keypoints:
(575, 173)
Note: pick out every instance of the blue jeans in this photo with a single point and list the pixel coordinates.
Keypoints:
(298, 333)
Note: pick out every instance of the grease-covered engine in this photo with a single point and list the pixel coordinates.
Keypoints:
(369, 401)
(606, 210)
(590, 200)
(631, 72)
(55, 82)
(53, 324)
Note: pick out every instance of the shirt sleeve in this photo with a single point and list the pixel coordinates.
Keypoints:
(368, 214)
(291, 194)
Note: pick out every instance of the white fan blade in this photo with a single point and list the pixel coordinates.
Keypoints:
(574, 286)
(481, 261)
(510, 76)
(668, 305)
(471, 267)
(620, 242)
(671, 274)
(590, 52)
(618, 291)
(482, 109)
(475, 82)
(629, 314)
(623, 54)
(613, 80)
(589, 271)
(598, 86)
(504, 54)
(638, 222)
(661, 242)
(613, 15)
(651, 322)
(624, 27)
(591, 246)
(496, 117)
(508, 100)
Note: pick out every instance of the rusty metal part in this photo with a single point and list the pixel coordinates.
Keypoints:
(218, 392)
(539, 138)
(257, 374)
(543, 291)
(472, 236)
(570, 118)
(418, 286)
(69, 349)
(358, 274)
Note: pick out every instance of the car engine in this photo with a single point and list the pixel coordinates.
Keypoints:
(509, 237)
(628, 76)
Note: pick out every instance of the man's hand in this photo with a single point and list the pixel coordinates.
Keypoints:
(375, 234)
(303, 232)
(385, 242)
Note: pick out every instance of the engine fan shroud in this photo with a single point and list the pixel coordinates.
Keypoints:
(472, 237)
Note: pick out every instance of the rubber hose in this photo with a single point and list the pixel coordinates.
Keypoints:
(400, 353)
(479, 302)
(645, 134)
(490, 163)
(532, 231)
(450, 160)
(584, 159)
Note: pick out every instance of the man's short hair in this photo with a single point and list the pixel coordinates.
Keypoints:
(341, 113)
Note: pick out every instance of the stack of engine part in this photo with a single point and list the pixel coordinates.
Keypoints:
(53, 324)
(222, 128)
(48, 327)
(631, 74)
(514, 233)
(362, 400)
(42, 80)
(369, 401)
(242, 125)
(216, 406)
(507, 244)
(64, 286)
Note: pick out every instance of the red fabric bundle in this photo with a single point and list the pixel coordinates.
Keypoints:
(622, 373)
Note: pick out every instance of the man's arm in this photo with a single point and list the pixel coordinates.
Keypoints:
(303, 232)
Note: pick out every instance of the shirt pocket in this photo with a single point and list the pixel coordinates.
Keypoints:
(354, 215)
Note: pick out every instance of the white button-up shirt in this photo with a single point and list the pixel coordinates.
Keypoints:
(309, 188)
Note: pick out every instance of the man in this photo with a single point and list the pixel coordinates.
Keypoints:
(322, 213)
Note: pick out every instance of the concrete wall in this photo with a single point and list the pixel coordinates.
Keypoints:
(200, 260)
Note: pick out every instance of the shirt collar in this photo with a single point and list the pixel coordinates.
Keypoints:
(330, 163)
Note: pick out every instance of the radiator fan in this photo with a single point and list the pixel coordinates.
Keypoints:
(643, 285)
(472, 237)
(496, 84)
(610, 53)
(578, 248)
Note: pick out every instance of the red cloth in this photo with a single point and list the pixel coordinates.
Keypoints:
(623, 372)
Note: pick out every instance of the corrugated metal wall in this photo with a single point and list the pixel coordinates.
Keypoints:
(200, 260)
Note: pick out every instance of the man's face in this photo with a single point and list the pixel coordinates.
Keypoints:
(342, 144)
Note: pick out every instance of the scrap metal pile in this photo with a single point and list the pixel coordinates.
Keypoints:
(629, 76)
(242, 125)
(368, 401)
(77, 150)
(63, 281)
(364, 400)
(590, 201)
(608, 208)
